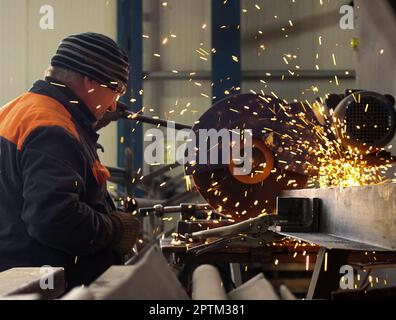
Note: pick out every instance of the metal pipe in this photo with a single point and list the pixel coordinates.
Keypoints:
(253, 75)
(157, 122)
(122, 112)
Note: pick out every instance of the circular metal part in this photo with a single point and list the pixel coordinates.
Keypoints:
(366, 120)
(282, 156)
(243, 201)
(262, 164)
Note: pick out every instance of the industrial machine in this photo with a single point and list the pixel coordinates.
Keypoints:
(289, 142)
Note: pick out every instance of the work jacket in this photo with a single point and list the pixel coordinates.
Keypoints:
(54, 206)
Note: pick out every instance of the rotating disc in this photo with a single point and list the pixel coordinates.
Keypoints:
(281, 156)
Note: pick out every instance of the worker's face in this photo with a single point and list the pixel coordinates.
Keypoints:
(99, 98)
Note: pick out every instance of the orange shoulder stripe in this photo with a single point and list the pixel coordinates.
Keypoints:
(100, 172)
(31, 111)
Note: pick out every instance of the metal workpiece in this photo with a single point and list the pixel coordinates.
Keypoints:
(184, 209)
(331, 242)
(356, 218)
(253, 226)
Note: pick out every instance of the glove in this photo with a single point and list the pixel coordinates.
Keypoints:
(127, 231)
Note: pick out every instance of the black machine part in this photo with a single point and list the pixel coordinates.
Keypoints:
(298, 214)
(364, 120)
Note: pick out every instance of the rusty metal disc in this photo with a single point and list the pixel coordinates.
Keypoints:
(281, 156)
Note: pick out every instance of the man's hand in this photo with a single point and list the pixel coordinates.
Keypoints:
(129, 226)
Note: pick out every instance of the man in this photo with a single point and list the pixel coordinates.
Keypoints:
(54, 206)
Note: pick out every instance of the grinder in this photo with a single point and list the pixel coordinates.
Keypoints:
(282, 153)
(286, 139)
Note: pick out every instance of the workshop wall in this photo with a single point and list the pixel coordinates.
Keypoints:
(264, 44)
(307, 30)
(26, 49)
(177, 30)
(376, 70)
(13, 49)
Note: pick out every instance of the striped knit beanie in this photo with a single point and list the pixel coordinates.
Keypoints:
(95, 56)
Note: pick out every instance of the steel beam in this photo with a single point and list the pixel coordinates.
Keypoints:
(365, 215)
